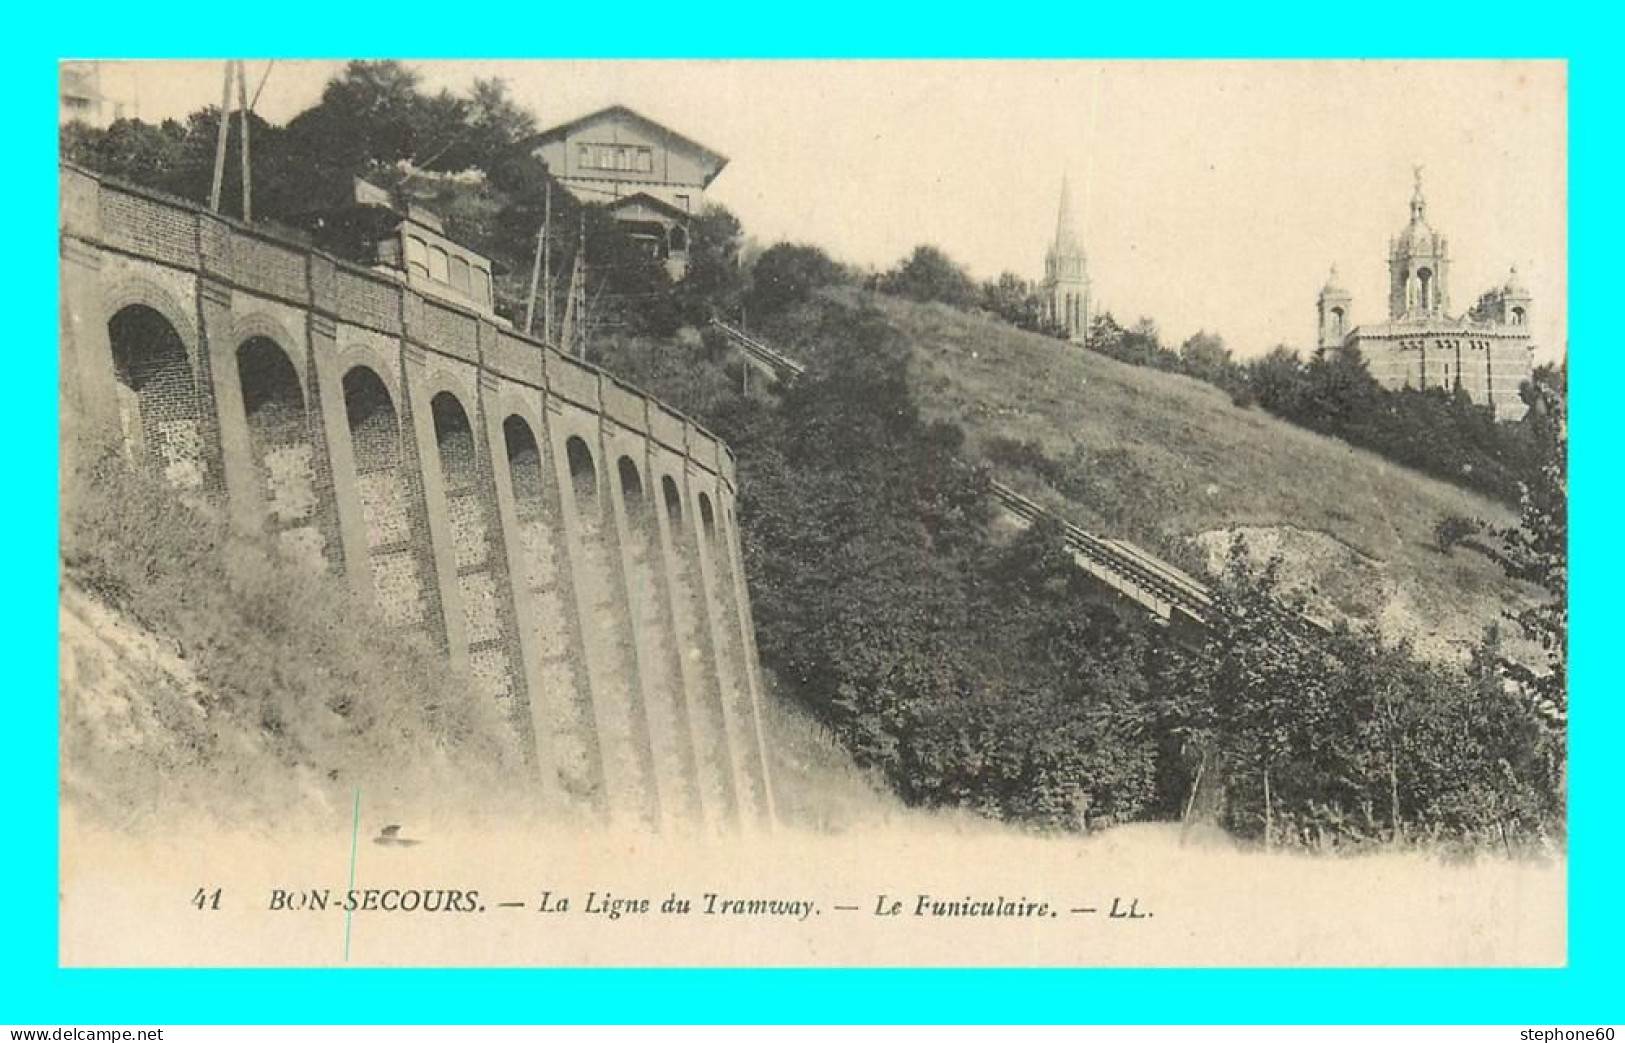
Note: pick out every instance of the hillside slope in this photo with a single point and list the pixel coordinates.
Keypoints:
(1169, 462)
(202, 677)
(203, 681)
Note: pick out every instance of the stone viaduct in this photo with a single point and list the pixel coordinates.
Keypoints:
(569, 542)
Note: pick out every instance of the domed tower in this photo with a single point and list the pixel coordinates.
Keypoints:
(1333, 306)
(1418, 266)
(1506, 305)
(1065, 293)
(1516, 301)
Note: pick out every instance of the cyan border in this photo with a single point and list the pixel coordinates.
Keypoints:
(34, 990)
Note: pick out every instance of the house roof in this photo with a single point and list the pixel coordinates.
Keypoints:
(715, 159)
(652, 202)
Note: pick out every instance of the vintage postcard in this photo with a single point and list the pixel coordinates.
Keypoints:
(813, 513)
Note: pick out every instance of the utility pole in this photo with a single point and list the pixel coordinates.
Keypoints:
(242, 104)
(581, 291)
(220, 143)
(571, 338)
(535, 278)
(547, 259)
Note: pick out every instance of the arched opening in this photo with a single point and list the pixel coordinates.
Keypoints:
(609, 642)
(274, 405)
(524, 467)
(375, 435)
(272, 395)
(708, 521)
(674, 503)
(455, 438)
(1424, 289)
(679, 239)
(1337, 320)
(375, 446)
(559, 700)
(583, 475)
(159, 410)
(1517, 316)
(491, 662)
(632, 494)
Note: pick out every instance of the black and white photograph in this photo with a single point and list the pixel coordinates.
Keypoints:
(759, 513)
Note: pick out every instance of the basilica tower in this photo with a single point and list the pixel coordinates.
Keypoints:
(1333, 306)
(1485, 354)
(1064, 295)
(1418, 266)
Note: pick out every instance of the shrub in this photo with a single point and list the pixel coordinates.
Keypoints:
(1451, 530)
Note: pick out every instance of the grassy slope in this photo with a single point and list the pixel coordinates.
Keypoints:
(204, 679)
(204, 676)
(1171, 458)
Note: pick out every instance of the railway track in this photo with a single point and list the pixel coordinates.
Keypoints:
(1146, 579)
(782, 365)
(1165, 591)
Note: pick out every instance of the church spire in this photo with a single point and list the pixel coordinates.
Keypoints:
(1065, 291)
(1419, 204)
(1067, 243)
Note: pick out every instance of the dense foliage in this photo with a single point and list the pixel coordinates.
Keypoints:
(972, 674)
(1329, 740)
(1437, 432)
(456, 155)
(993, 676)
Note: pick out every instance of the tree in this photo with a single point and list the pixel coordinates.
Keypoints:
(1106, 335)
(1339, 391)
(929, 274)
(1253, 695)
(1278, 381)
(786, 274)
(1536, 549)
(1142, 345)
(496, 123)
(1012, 299)
(1204, 356)
(372, 116)
(141, 152)
(714, 283)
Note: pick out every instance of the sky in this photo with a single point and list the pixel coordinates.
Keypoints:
(1210, 195)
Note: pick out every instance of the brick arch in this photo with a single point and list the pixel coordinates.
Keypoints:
(374, 419)
(382, 362)
(276, 410)
(259, 324)
(583, 466)
(454, 436)
(387, 494)
(130, 290)
(634, 494)
(487, 627)
(159, 406)
(671, 497)
(438, 377)
(526, 466)
(269, 376)
(708, 516)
